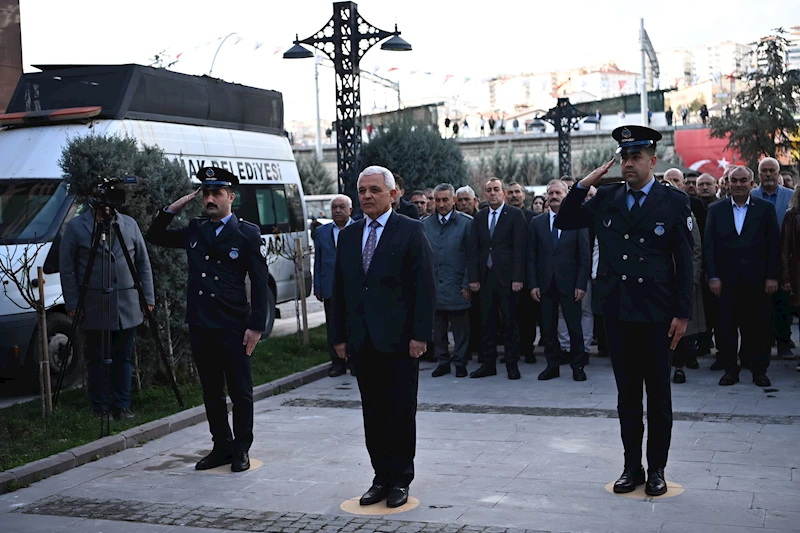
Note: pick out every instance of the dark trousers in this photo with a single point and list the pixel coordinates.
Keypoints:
(458, 322)
(683, 350)
(117, 381)
(600, 333)
(388, 386)
(475, 324)
(711, 310)
(221, 360)
(335, 359)
(527, 310)
(571, 310)
(744, 309)
(781, 319)
(494, 298)
(640, 353)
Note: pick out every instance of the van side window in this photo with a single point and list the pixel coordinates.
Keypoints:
(297, 221)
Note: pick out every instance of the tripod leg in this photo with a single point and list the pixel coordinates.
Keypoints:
(137, 281)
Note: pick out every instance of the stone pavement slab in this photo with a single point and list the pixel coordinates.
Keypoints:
(493, 456)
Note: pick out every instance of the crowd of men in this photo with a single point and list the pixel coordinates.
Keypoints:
(503, 269)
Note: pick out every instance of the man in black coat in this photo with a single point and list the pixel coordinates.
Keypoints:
(527, 309)
(382, 309)
(558, 275)
(496, 262)
(742, 253)
(644, 290)
(223, 327)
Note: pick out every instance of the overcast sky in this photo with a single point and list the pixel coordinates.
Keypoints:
(463, 39)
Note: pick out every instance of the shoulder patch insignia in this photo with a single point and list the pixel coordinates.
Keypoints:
(689, 223)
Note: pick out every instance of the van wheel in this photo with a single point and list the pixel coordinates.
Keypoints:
(270, 314)
(59, 328)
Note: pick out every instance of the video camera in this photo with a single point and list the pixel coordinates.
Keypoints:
(109, 192)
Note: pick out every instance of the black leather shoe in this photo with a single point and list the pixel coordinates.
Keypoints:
(692, 363)
(337, 370)
(461, 371)
(441, 370)
(716, 365)
(530, 359)
(513, 371)
(375, 494)
(397, 496)
(352, 370)
(123, 414)
(656, 484)
(484, 370)
(552, 371)
(629, 480)
(578, 374)
(761, 380)
(241, 462)
(728, 379)
(679, 376)
(216, 458)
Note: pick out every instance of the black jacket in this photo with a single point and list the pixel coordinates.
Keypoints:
(216, 296)
(568, 265)
(507, 246)
(394, 301)
(645, 273)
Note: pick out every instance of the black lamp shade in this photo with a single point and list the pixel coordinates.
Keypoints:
(397, 44)
(298, 51)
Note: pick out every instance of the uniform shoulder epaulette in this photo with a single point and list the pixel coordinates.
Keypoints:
(677, 191)
(250, 224)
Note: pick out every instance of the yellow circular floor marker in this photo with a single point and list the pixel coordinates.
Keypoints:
(379, 509)
(255, 464)
(673, 489)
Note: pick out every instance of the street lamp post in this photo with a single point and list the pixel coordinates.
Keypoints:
(563, 117)
(345, 38)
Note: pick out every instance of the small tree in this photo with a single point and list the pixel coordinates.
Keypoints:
(535, 168)
(87, 160)
(314, 176)
(763, 123)
(418, 153)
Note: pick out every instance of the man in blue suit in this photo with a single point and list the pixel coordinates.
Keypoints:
(558, 274)
(325, 240)
(778, 196)
(383, 305)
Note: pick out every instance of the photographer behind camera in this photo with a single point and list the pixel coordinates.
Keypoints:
(124, 312)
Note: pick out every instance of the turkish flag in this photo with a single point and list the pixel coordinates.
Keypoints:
(702, 153)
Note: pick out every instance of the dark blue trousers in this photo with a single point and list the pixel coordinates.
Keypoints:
(116, 382)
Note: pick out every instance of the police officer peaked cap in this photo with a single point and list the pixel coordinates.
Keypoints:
(216, 178)
(633, 138)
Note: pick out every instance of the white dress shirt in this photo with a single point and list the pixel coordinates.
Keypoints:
(445, 218)
(499, 211)
(739, 214)
(378, 231)
(224, 221)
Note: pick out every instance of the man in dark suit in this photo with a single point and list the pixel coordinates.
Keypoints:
(467, 203)
(741, 258)
(527, 309)
(558, 274)
(383, 306)
(400, 204)
(325, 241)
(497, 269)
(644, 290)
(223, 326)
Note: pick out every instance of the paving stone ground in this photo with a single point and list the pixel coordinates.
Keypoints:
(493, 456)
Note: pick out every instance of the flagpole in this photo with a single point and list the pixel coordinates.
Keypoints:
(317, 59)
(643, 86)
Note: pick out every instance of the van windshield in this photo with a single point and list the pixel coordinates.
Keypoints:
(29, 209)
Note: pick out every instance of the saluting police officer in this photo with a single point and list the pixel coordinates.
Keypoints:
(223, 329)
(644, 290)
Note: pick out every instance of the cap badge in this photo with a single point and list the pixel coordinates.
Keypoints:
(210, 173)
(626, 132)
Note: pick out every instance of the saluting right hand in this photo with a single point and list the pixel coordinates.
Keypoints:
(181, 202)
(597, 174)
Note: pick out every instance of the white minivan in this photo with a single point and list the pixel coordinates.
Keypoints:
(198, 120)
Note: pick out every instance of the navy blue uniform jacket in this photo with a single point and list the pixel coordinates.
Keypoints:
(216, 296)
(645, 271)
(394, 302)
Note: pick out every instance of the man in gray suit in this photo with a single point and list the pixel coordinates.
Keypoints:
(448, 232)
(778, 196)
(117, 311)
(558, 273)
(325, 240)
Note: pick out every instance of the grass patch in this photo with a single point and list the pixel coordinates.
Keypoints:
(26, 437)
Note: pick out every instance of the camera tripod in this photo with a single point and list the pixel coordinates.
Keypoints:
(101, 242)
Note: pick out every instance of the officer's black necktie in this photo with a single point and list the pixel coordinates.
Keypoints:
(215, 225)
(637, 195)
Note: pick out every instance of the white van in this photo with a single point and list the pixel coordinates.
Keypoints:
(198, 120)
